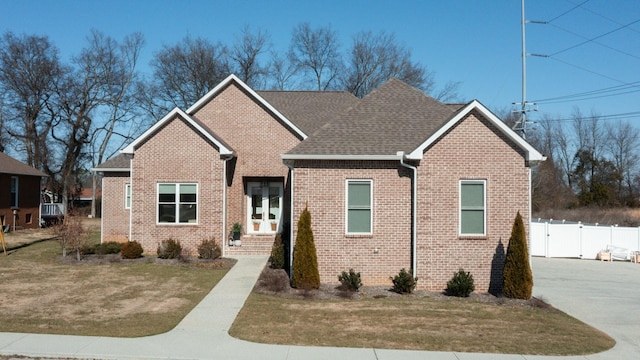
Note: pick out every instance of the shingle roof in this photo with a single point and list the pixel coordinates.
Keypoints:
(395, 117)
(121, 161)
(309, 110)
(9, 165)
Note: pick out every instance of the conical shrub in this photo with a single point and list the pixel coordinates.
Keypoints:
(305, 260)
(518, 280)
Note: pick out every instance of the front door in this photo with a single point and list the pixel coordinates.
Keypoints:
(265, 207)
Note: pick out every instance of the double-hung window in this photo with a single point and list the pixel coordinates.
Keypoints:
(14, 191)
(177, 203)
(473, 208)
(359, 206)
(127, 196)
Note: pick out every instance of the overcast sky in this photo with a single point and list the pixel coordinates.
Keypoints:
(593, 46)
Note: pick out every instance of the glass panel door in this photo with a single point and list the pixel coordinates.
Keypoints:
(264, 208)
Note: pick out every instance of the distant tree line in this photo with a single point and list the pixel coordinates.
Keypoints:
(590, 162)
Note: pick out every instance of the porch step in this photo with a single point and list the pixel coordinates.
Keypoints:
(252, 246)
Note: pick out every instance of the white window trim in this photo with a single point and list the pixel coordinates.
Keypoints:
(484, 202)
(177, 223)
(346, 205)
(127, 196)
(17, 182)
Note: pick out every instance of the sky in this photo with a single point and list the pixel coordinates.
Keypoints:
(591, 48)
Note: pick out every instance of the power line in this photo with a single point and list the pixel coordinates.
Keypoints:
(594, 94)
(607, 18)
(620, 116)
(595, 38)
(589, 71)
(595, 42)
(568, 11)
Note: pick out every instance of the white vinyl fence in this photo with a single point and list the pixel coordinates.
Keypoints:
(552, 238)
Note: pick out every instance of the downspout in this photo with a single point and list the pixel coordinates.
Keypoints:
(224, 239)
(414, 210)
(291, 219)
(131, 205)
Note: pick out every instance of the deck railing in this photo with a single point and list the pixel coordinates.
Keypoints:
(51, 210)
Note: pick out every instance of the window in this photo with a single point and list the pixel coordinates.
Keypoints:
(14, 191)
(177, 203)
(359, 214)
(127, 196)
(472, 207)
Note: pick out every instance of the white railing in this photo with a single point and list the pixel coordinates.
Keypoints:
(550, 238)
(51, 209)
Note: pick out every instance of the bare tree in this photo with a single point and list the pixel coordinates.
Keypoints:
(121, 119)
(623, 145)
(245, 54)
(316, 52)
(374, 59)
(185, 72)
(281, 71)
(29, 69)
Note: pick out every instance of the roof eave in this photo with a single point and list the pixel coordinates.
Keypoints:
(110, 170)
(233, 78)
(531, 154)
(394, 157)
(129, 149)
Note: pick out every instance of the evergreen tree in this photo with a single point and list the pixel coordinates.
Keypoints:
(305, 261)
(518, 280)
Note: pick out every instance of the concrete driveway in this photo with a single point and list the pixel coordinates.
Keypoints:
(604, 295)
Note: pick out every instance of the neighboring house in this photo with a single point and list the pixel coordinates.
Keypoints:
(20, 194)
(394, 180)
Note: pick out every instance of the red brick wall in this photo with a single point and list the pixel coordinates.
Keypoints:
(258, 139)
(474, 149)
(28, 201)
(115, 218)
(176, 153)
(321, 185)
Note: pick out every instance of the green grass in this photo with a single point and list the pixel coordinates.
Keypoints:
(42, 294)
(416, 323)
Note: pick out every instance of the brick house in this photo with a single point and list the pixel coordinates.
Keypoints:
(394, 180)
(20, 195)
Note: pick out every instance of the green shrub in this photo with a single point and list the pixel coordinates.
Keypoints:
(461, 284)
(110, 247)
(277, 253)
(351, 280)
(169, 249)
(404, 282)
(517, 277)
(209, 249)
(305, 260)
(131, 250)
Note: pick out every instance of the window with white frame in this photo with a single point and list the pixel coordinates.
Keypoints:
(359, 206)
(127, 196)
(473, 209)
(14, 191)
(177, 203)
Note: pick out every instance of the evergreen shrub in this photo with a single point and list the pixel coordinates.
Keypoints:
(169, 249)
(209, 249)
(461, 284)
(404, 282)
(305, 260)
(131, 250)
(351, 280)
(517, 277)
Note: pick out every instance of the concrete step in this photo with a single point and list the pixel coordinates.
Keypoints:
(251, 246)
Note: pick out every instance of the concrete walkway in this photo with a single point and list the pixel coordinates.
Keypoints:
(601, 294)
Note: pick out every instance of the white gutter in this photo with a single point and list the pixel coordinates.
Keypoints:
(414, 220)
(130, 207)
(339, 157)
(290, 220)
(224, 240)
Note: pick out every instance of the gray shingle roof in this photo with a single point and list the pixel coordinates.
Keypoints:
(309, 110)
(120, 161)
(395, 117)
(9, 165)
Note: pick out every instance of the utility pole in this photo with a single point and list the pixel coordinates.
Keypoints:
(521, 124)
